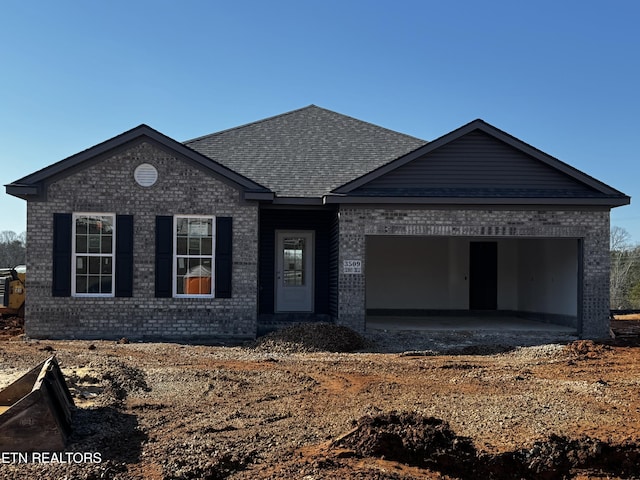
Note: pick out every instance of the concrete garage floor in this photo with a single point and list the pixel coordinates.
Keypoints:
(446, 333)
(464, 323)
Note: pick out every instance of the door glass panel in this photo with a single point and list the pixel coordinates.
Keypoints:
(294, 256)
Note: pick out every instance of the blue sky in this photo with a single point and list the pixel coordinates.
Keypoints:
(562, 76)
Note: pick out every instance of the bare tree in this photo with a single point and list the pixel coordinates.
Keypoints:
(12, 249)
(622, 261)
(634, 296)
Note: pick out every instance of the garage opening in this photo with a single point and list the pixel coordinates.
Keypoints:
(474, 283)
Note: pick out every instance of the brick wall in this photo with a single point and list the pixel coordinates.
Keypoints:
(108, 186)
(591, 226)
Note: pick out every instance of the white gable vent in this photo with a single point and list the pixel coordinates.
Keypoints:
(145, 174)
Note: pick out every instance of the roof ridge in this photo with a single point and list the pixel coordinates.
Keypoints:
(255, 122)
(373, 125)
(308, 107)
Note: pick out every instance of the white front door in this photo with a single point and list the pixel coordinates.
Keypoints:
(294, 271)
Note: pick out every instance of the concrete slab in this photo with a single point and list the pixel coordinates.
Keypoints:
(451, 334)
(483, 323)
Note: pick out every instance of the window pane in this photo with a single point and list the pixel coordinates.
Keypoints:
(81, 284)
(105, 284)
(200, 265)
(81, 244)
(205, 245)
(106, 266)
(181, 266)
(194, 276)
(94, 284)
(197, 285)
(106, 225)
(81, 225)
(81, 265)
(94, 265)
(95, 226)
(182, 226)
(107, 244)
(94, 243)
(293, 257)
(181, 246)
(199, 227)
(194, 246)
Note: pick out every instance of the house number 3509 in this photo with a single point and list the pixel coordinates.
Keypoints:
(352, 266)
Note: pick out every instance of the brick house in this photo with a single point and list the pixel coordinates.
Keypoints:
(305, 216)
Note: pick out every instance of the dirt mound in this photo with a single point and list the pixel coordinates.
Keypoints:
(11, 326)
(561, 457)
(429, 442)
(122, 379)
(587, 349)
(195, 461)
(311, 337)
(412, 439)
(106, 383)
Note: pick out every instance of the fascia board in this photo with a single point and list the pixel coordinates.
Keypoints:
(344, 199)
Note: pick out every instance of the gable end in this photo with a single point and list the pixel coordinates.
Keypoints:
(478, 165)
(474, 164)
(33, 187)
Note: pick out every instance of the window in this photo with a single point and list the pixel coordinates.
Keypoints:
(169, 281)
(294, 260)
(93, 264)
(193, 256)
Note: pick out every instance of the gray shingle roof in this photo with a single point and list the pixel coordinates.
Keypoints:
(306, 152)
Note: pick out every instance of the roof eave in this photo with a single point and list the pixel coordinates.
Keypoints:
(261, 196)
(298, 201)
(37, 179)
(271, 197)
(599, 202)
(25, 192)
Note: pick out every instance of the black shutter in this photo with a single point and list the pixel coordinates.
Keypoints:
(224, 243)
(164, 256)
(124, 255)
(61, 281)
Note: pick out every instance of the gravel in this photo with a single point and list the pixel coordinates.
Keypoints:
(278, 408)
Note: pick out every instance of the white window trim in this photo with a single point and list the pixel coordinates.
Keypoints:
(74, 255)
(174, 269)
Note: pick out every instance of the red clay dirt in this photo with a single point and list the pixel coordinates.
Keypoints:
(286, 409)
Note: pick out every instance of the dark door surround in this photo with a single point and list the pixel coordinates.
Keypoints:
(324, 223)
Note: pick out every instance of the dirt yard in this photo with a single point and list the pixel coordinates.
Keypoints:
(298, 405)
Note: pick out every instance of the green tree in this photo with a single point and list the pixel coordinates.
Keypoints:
(634, 296)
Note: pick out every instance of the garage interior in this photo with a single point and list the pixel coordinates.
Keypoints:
(464, 283)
